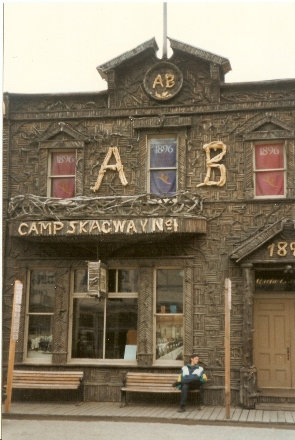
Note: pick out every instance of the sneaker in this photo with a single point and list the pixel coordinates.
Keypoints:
(181, 409)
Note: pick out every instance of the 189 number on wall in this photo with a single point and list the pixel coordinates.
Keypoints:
(282, 249)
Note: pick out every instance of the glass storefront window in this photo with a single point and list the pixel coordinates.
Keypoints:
(122, 280)
(40, 314)
(169, 337)
(88, 328)
(169, 291)
(106, 328)
(121, 327)
(169, 314)
(80, 280)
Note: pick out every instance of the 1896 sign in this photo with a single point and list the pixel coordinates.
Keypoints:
(163, 81)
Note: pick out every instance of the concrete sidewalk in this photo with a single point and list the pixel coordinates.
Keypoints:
(149, 413)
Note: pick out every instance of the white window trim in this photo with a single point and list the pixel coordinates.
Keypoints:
(168, 362)
(50, 176)
(84, 295)
(284, 169)
(26, 359)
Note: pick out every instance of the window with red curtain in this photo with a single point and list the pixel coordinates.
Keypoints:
(63, 173)
(269, 170)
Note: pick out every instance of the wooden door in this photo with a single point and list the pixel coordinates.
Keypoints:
(274, 334)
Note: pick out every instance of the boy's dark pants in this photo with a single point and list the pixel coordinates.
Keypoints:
(191, 385)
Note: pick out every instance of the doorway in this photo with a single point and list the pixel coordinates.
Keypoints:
(274, 340)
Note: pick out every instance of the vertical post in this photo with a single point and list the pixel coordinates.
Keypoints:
(227, 304)
(15, 319)
(164, 30)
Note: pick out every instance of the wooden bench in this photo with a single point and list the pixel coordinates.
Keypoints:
(149, 383)
(48, 380)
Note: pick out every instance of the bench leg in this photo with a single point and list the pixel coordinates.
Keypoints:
(123, 399)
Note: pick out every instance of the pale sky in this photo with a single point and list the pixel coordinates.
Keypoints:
(56, 46)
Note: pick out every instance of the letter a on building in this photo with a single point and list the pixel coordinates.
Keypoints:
(114, 167)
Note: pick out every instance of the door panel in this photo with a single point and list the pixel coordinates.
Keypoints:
(273, 329)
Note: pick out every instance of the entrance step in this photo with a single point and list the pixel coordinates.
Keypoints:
(271, 406)
(277, 392)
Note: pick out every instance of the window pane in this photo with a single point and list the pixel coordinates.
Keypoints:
(163, 153)
(270, 183)
(169, 337)
(40, 336)
(42, 292)
(127, 280)
(269, 156)
(88, 324)
(63, 187)
(169, 291)
(112, 280)
(63, 164)
(121, 327)
(80, 280)
(163, 182)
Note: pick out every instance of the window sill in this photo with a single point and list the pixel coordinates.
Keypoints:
(103, 362)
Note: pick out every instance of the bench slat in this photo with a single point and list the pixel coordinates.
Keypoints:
(150, 383)
(36, 379)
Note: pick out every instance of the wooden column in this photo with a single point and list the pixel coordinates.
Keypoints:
(15, 319)
(227, 308)
(248, 283)
(145, 317)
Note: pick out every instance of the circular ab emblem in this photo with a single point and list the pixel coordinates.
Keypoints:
(163, 81)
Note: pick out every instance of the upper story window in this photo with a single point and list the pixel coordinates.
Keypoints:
(162, 165)
(269, 170)
(62, 174)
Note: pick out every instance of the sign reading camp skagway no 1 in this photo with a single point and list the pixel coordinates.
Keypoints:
(143, 225)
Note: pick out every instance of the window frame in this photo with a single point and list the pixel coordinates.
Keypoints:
(169, 362)
(111, 295)
(166, 135)
(26, 359)
(51, 177)
(283, 170)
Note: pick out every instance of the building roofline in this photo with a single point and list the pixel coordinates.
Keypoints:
(112, 64)
(269, 82)
(200, 53)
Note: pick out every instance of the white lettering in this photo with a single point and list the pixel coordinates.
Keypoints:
(73, 226)
(94, 225)
(20, 229)
(57, 226)
(104, 229)
(119, 225)
(131, 227)
(143, 224)
(82, 226)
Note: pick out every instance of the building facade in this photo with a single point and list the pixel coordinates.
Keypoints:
(125, 211)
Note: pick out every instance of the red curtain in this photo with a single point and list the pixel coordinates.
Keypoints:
(269, 157)
(63, 164)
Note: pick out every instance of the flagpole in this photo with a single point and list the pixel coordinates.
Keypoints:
(164, 30)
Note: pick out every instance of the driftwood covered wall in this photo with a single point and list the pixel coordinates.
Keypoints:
(205, 110)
